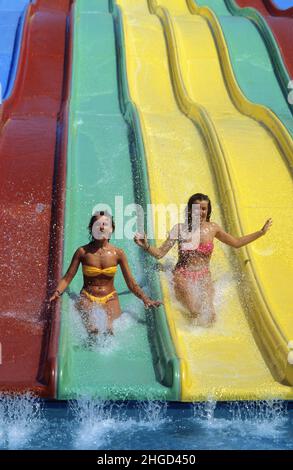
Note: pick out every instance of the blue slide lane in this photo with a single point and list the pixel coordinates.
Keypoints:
(12, 19)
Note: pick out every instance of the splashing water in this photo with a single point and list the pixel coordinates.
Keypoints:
(260, 421)
(124, 327)
(152, 414)
(223, 289)
(98, 423)
(265, 418)
(20, 420)
(95, 424)
(205, 411)
(28, 319)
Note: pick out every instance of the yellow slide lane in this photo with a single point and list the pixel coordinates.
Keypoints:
(216, 150)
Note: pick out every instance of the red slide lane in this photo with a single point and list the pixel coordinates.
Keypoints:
(33, 133)
(281, 24)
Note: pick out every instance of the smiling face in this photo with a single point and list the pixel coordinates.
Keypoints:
(202, 207)
(102, 228)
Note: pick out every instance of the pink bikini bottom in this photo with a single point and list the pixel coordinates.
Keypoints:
(192, 275)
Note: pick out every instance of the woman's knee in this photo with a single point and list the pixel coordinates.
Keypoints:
(113, 310)
(207, 316)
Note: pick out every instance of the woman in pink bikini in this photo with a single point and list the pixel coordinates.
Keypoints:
(192, 278)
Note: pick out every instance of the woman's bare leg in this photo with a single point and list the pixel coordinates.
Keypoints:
(85, 309)
(184, 294)
(113, 311)
(207, 293)
(197, 297)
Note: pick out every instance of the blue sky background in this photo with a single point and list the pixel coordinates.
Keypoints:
(283, 3)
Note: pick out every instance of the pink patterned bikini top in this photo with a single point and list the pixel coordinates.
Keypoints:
(203, 248)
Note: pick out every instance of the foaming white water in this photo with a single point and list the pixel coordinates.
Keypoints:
(94, 423)
(26, 318)
(264, 418)
(124, 328)
(223, 289)
(224, 286)
(149, 425)
(205, 411)
(97, 423)
(20, 420)
(152, 414)
(261, 419)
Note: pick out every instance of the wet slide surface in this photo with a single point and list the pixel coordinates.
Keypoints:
(31, 179)
(281, 25)
(187, 148)
(12, 17)
(251, 61)
(101, 164)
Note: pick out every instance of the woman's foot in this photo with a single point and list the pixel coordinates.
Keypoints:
(108, 332)
(206, 323)
(92, 339)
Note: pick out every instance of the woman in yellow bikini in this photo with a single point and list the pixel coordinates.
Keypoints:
(100, 261)
(192, 278)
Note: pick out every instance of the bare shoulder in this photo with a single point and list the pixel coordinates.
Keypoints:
(121, 257)
(214, 227)
(79, 253)
(118, 251)
(81, 250)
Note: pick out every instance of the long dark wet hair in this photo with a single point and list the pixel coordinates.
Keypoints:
(94, 218)
(192, 200)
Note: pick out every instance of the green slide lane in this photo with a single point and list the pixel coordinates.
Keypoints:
(105, 159)
(251, 59)
(269, 38)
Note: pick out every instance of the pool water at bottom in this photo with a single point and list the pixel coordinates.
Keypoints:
(28, 423)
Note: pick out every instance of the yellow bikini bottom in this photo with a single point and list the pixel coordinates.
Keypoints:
(99, 300)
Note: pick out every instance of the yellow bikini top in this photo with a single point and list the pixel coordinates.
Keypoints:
(92, 271)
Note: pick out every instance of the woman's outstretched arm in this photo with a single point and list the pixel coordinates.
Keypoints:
(131, 283)
(241, 241)
(67, 278)
(161, 251)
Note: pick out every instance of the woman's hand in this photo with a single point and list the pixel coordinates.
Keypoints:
(141, 240)
(267, 226)
(55, 296)
(148, 303)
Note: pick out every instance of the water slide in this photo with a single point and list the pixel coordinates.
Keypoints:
(105, 160)
(271, 22)
(253, 60)
(12, 19)
(32, 174)
(159, 108)
(201, 133)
